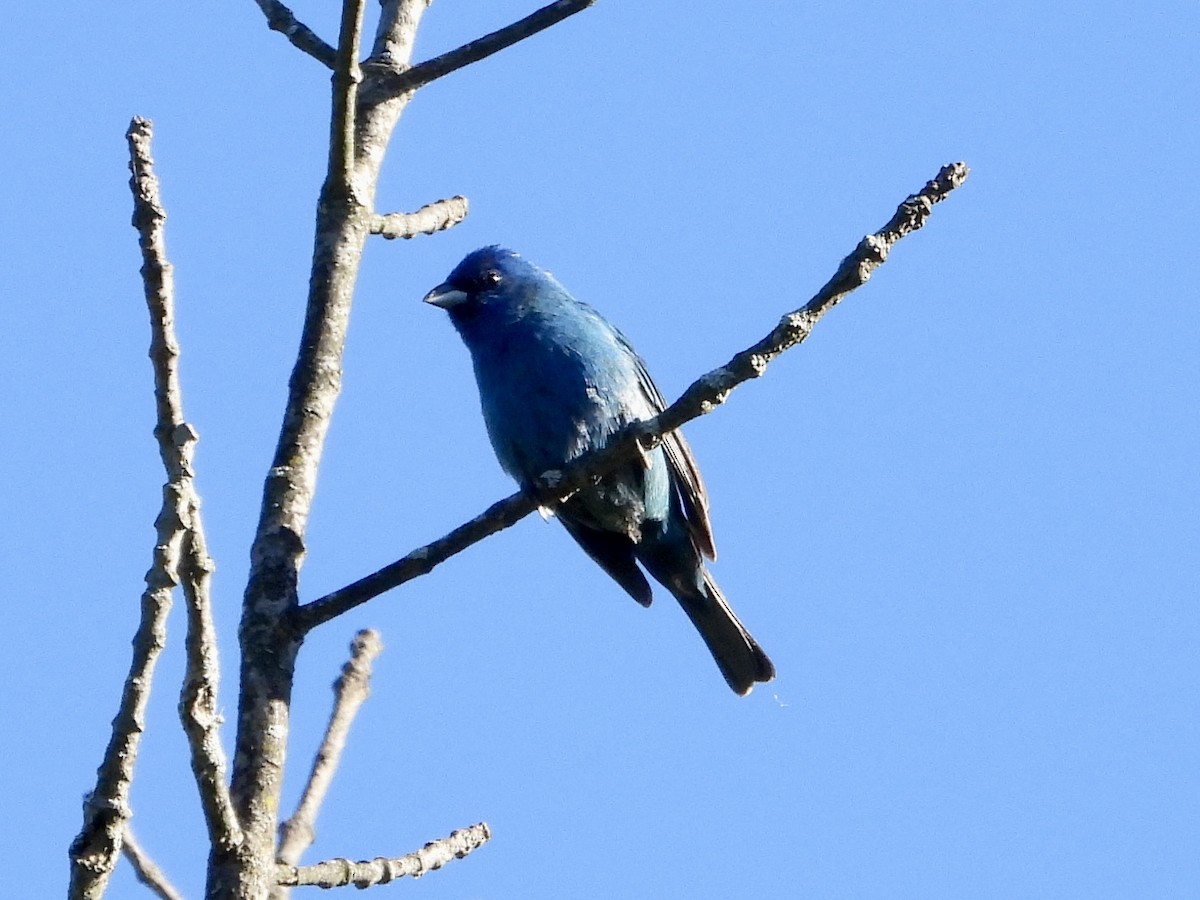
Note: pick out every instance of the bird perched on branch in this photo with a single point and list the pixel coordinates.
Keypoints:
(555, 381)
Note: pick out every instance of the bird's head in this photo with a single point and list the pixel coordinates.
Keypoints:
(488, 275)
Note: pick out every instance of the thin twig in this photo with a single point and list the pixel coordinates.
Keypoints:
(431, 218)
(199, 707)
(382, 870)
(703, 396)
(283, 20)
(351, 688)
(146, 870)
(106, 808)
(395, 83)
(708, 392)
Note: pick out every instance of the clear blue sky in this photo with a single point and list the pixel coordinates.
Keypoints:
(963, 519)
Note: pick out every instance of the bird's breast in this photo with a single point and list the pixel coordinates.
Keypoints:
(552, 386)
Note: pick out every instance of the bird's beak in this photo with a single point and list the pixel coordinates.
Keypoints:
(445, 296)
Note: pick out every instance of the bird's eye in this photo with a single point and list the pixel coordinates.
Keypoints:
(491, 277)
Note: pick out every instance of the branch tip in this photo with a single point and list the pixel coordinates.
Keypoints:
(429, 219)
(283, 20)
(382, 870)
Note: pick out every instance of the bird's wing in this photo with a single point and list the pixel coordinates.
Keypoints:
(613, 552)
(687, 480)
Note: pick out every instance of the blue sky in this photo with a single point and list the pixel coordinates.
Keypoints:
(963, 518)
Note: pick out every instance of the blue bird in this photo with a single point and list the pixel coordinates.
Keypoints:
(556, 380)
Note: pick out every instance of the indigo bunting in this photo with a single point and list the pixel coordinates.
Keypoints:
(556, 380)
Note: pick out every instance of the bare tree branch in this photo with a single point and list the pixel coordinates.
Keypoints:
(431, 218)
(106, 809)
(351, 688)
(198, 707)
(146, 870)
(269, 646)
(399, 82)
(703, 396)
(342, 872)
(423, 560)
(281, 19)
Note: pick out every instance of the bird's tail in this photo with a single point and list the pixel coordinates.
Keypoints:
(738, 656)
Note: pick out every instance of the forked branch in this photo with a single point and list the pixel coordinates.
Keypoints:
(393, 84)
(178, 556)
(359, 134)
(198, 704)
